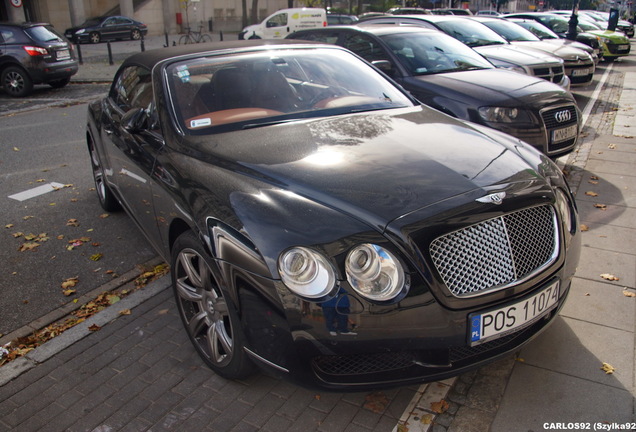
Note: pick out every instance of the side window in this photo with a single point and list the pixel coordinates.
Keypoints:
(110, 22)
(279, 20)
(132, 89)
(365, 47)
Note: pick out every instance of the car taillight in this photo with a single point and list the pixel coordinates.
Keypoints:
(35, 51)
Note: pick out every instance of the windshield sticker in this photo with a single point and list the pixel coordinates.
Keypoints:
(183, 73)
(197, 123)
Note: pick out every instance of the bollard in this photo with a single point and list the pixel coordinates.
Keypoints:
(143, 47)
(221, 35)
(110, 54)
(79, 54)
(167, 44)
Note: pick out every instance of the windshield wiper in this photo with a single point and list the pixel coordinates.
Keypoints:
(267, 123)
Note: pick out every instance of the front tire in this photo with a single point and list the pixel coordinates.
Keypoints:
(94, 37)
(208, 315)
(106, 197)
(16, 81)
(135, 34)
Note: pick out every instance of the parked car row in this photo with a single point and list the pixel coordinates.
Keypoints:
(323, 224)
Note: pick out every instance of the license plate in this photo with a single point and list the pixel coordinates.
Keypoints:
(564, 134)
(62, 54)
(580, 72)
(623, 47)
(492, 324)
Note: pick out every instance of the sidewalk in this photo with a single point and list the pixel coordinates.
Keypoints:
(139, 372)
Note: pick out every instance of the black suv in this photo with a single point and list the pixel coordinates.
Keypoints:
(34, 53)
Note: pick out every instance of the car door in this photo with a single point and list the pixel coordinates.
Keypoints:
(277, 27)
(131, 155)
(109, 29)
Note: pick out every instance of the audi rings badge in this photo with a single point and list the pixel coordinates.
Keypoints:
(563, 116)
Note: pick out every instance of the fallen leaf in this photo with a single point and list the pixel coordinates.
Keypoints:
(18, 234)
(426, 419)
(28, 246)
(40, 180)
(594, 178)
(439, 407)
(608, 368)
(16, 149)
(69, 292)
(72, 222)
(591, 193)
(584, 228)
(104, 215)
(8, 226)
(125, 312)
(629, 293)
(609, 277)
(70, 282)
(601, 206)
(27, 217)
(94, 327)
(96, 257)
(376, 402)
(611, 146)
(112, 299)
(593, 181)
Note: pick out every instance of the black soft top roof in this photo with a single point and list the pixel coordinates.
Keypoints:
(150, 58)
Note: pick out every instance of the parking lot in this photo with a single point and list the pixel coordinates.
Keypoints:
(139, 372)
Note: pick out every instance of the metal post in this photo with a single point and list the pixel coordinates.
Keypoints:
(167, 44)
(110, 54)
(221, 34)
(574, 22)
(79, 54)
(143, 46)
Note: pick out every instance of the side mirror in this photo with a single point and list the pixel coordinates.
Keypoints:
(384, 65)
(135, 120)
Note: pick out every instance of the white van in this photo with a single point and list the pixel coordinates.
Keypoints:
(284, 22)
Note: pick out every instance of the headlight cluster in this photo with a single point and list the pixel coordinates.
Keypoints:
(508, 66)
(565, 210)
(372, 271)
(504, 115)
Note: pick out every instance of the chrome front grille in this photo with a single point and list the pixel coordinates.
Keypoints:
(498, 252)
(551, 73)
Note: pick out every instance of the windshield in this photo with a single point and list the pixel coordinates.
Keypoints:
(44, 34)
(234, 91)
(432, 53)
(511, 31)
(556, 23)
(588, 26)
(539, 30)
(471, 33)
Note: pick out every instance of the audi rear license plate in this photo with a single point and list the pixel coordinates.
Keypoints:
(495, 323)
(564, 134)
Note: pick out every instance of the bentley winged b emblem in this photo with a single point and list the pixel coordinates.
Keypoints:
(494, 198)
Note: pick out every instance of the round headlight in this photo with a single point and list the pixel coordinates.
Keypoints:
(306, 272)
(374, 272)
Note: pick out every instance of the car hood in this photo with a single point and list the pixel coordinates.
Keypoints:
(374, 166)
(516, 54)
(494, 87)
(569, 43)
(567, 53)
(617, 37)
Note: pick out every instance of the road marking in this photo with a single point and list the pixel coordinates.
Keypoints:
(36, 191)
(590, 104)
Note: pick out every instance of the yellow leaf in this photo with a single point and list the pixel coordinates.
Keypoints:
(70, 282)
(8, 226)
(40, 180)
(608, 368)
(611, 146)
(600, 206)
(426, 419)
(28, 246)
(609, 277)
(96, 257)
(69, 292)
(18, 234)
(591, 193)
(629, 293)
(72, 222)
(439, 407)
(125, 312)
(16, 149)
(584, 228)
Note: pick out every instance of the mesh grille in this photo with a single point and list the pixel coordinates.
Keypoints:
(363, 364)
(497, 252)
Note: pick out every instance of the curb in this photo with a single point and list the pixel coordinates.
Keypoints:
(47, 350)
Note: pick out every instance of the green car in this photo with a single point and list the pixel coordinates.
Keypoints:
(614, 44)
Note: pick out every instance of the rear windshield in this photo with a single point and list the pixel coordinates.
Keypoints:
(219, 93)
(44, 34)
